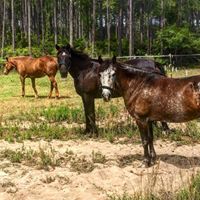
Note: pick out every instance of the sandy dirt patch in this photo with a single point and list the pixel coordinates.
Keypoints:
(121, 172)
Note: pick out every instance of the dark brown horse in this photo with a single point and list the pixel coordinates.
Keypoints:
(84, 71)
(150, 96)
(29, 67)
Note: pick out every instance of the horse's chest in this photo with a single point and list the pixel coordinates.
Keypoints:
(136, 103)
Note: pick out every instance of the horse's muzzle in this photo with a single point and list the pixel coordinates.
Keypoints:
(106, 94)
(5, 72)
(63, 71)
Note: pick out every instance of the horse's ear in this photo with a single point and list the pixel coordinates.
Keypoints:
(57, 47)
(114, 59)
(100, 60)
(68, 46)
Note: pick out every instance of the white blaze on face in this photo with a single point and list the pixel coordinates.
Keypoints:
(107, 79)
(64, 54)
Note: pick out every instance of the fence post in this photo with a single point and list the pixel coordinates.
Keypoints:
(170, 64)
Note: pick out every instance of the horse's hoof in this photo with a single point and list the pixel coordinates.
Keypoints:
(153, 161)
(166, 132)
(145, 163)
(91, 133)
(57, 97)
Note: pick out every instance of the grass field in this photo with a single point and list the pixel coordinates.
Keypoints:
(33, 119)
(64, 118)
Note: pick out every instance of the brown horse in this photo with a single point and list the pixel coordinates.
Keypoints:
(84, 71)
(150, 96)
(32, 68)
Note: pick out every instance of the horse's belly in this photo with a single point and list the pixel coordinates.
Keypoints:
(36, 75)
(175, 115)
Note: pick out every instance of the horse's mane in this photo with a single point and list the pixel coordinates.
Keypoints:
(142, 63)
(79, 54)
(130, 69)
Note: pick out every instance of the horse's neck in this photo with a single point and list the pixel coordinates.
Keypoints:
(78, 65)
(125, 82)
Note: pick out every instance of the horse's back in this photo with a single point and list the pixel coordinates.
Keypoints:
(36, 67)
(168, 99)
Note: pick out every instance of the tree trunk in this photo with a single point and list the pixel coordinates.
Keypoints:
(162, 24)
(149, 31)
(42, 22)
(3, 29)
(79, 21)
(55, 22)
(142, 22)
(93, 25)
(13, 26)
(108, 24)
(120, 30)
(101, 36)
(71, 22)
(25, 19)
(29, 26)
(130, 28)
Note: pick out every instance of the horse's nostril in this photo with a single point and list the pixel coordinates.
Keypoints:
(106, 96)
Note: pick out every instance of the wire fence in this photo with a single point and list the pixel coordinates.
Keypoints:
(171, 60)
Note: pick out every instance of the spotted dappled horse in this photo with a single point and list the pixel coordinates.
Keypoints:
(29, 67)
(84, 71)
(150, 96)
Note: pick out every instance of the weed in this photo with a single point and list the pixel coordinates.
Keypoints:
(47, 158)
(126, 160)
(192, 192)
(81, 165)
(13, 156)
(98, 157)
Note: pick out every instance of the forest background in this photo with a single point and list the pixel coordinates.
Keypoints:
(106, 27)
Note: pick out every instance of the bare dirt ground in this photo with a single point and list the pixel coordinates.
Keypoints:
(119, 173)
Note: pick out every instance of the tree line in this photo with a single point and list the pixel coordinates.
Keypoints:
(120, 27)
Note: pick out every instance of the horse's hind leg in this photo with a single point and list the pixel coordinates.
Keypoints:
(53, 85)
(151, 147)
(165, 127)
(143, 127)
(34, 88)
(22, 79)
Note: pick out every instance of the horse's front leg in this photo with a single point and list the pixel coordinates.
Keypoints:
(143, 128)
(53, 85)
(22, 79)
(89, 108)
(34, 88)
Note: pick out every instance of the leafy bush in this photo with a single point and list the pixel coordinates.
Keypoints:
(177, 40)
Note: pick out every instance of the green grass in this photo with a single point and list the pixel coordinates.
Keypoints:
(54, 119)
